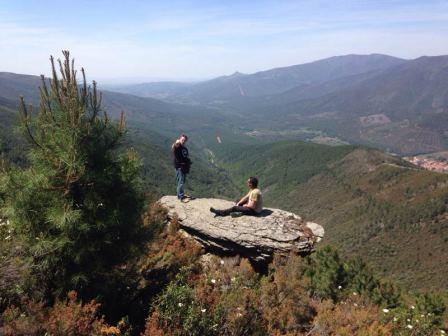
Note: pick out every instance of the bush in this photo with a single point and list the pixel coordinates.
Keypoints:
(64, 318)
(286, 305)
(352, 317)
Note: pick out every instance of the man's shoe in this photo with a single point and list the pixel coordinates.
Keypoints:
(185, 199)
(216, 212)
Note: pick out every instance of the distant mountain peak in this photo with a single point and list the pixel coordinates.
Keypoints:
(236, 74)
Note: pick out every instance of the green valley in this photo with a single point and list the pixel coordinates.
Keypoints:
(371, 204)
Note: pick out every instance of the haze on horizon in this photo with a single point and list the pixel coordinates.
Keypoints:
(186, 40)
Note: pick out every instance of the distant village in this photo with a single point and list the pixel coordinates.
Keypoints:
(429, 163)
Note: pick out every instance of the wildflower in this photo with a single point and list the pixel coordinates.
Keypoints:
(203, 310)
(8, 237)
(222, 262)
(354, 293)
(213, 281)
(395, 319)
(355, 304)
(412, 307)
(417, 321)
(385, 310)
(422, 315)
(180, 304)
(339, 287)
(409, 326)
(442, 332)
(408, 320)
(233, 279)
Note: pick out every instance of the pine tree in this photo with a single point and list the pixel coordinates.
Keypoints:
(76, 208)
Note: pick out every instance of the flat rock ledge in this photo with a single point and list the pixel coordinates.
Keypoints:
(255, 237)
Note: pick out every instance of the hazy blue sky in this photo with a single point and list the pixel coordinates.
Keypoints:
(176, 39)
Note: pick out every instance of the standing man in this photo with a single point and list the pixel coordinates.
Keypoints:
(182, 165)
(251, 204)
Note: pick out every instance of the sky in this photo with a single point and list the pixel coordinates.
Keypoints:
(137, 41)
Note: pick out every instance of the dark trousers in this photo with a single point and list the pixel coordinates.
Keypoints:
(245, 210)
(180, 181)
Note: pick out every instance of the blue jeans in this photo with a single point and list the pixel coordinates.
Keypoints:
(180, 180)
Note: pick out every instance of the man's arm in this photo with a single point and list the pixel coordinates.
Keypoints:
(243, 200)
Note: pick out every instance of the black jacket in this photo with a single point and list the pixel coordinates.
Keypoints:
(181, 159)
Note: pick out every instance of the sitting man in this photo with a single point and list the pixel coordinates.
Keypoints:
(251, 204)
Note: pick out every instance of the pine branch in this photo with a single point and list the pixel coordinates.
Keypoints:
(26, 117)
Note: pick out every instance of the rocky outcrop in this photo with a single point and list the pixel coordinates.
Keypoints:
(255, 237)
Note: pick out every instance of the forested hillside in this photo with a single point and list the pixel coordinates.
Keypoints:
(371, 204)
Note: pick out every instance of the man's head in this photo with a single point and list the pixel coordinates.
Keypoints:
(183, 139)
(252, 182)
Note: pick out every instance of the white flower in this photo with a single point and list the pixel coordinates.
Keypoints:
(213, 281)
(354, 293)
(355, 304)
(222, 262)
(233, 279)
(422, 315)
(417, 321)
(408, 320)
(8, 237)
(339, 287)
(203, 310)
(409, 326)
(180, 304)
(395, 319)
(442, 332)
(412, 307)
(385, 310)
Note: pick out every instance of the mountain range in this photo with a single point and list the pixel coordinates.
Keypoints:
(394, 104)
